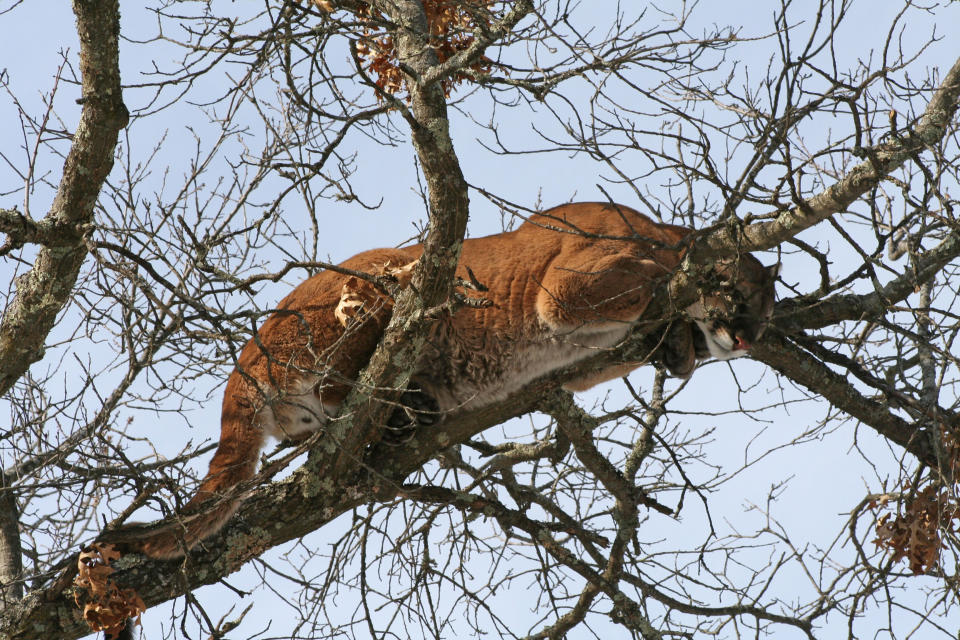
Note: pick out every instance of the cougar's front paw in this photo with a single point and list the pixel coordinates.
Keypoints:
(416, 408)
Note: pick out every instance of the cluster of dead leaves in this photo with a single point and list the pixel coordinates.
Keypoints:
(105, 606)
(452, 25)
(915, 534)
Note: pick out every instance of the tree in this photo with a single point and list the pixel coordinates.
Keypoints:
(141, 262)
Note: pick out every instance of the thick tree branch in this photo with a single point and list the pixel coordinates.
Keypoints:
(46, 288)
(11, 553)
(391, 364)
(21, 230)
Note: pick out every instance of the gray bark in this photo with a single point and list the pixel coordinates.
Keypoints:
(45, 290)
(11, 554)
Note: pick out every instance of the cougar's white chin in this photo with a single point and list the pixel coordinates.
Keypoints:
(721, 344)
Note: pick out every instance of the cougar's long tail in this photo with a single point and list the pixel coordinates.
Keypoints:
(235, 460)
(215, 501)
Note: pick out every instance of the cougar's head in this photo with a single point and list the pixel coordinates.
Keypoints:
(734, 308)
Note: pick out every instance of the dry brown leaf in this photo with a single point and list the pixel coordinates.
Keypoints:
(915, 534)
(105, 607)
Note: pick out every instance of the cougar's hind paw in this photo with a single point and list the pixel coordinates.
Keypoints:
(416, 409)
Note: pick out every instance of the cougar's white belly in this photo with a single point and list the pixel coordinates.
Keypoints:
(474, 378)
